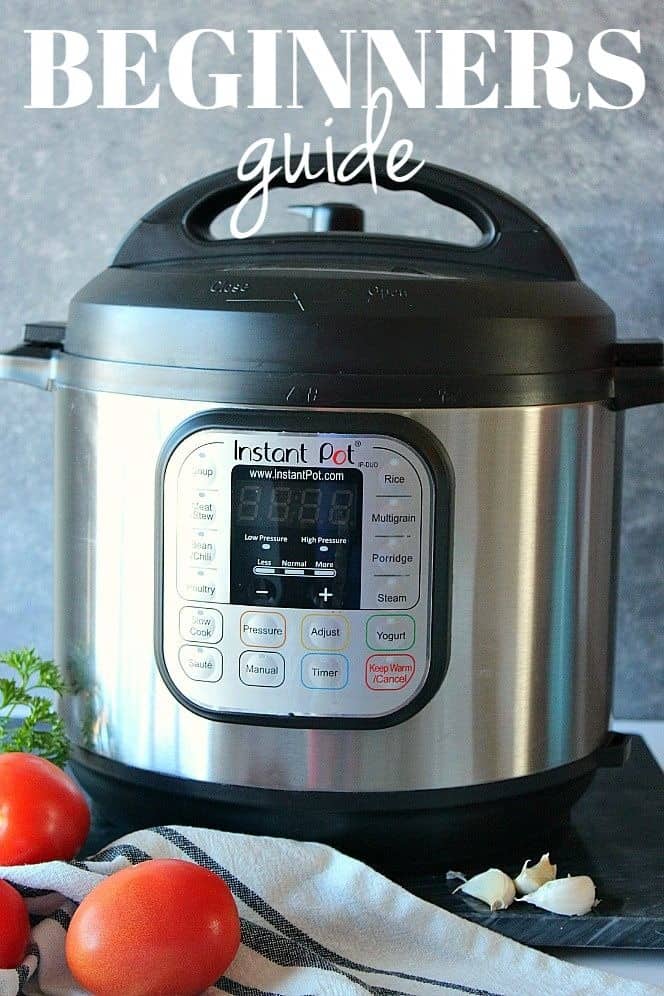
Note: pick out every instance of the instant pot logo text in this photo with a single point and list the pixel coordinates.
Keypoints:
(265, 452)
(423, 69)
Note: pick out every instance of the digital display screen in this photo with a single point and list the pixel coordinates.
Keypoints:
(296, 537)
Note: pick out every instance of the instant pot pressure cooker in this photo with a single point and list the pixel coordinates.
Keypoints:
(336, 522)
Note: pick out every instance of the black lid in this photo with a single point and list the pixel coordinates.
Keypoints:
(365, 319)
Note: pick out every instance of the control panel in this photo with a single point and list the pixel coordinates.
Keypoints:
(296, 574)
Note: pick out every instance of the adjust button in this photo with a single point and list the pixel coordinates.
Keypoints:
(325, 632)
(201, 625)
(322, 671)
(201, 663)
(262, 667)
(395, 632)
(262, 629)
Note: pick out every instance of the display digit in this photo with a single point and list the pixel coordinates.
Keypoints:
(341, 507)
(309, 510)
(248, 504)
(280, 505)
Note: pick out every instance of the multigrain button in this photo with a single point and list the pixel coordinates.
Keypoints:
(262, 667)
(395, 632)
(325, 671)
(262, 629)
(201, 663)
(201, 625)
(321, 632)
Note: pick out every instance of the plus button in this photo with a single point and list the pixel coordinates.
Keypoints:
(325, 594)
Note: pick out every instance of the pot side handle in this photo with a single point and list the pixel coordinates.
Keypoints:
(35, 360)
(638, 375)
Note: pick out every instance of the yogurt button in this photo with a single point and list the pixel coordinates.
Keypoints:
(395, 632)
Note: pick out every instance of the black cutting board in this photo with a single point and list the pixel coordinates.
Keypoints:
(616, 835)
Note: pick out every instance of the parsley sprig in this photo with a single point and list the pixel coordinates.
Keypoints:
(40, 731)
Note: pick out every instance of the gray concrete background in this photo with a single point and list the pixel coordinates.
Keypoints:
(75, 181)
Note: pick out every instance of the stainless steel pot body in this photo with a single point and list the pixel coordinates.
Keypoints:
(529, 681)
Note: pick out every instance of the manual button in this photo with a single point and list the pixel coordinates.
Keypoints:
(262, 667)
(262, 629)
(325, 632)
(395, 632)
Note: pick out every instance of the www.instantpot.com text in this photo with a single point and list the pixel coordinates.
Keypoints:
(370, 69)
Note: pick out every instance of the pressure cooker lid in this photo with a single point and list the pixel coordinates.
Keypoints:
(505, 321)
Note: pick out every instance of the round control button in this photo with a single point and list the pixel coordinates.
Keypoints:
(201, 663)
(325, 671)
(395, 632)
(201, 625)
(263, 668)
(325, 632)
(262, 629)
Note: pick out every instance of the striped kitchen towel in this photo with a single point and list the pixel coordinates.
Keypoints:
(314, 923)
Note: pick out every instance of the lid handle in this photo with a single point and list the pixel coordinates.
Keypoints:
(513, 238)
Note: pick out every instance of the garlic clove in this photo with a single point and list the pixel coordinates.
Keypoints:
(571, 896)
(492, 887)
(530, 879)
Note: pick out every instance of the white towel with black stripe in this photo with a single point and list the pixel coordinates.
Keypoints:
(314, 923)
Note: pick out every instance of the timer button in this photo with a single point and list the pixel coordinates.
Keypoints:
(201, 625)
(322, 671)
(201, 663)
(325, 632)
(262, 629)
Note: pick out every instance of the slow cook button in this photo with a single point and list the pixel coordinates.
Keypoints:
(199, 586)
(201, 625)
(201, 663)
(389, 672)
(262, 629)
(262, 667)
(390, 632)
(324, 632)
(325, 671)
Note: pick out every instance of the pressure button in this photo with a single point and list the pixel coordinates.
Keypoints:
(262, 629)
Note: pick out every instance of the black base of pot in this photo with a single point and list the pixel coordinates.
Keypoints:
(388, 829)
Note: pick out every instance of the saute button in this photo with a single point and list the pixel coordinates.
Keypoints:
(262, 629)
(389, 672)
(201, 663)
(262, 667)
(202, 625)
(390, 632)
(325, 632)
(324, 671)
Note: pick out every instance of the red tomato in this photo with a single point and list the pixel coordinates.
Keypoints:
(162, 928)
(15, 927)
(44, 813)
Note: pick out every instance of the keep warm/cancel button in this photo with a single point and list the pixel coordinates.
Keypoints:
(389, 672)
